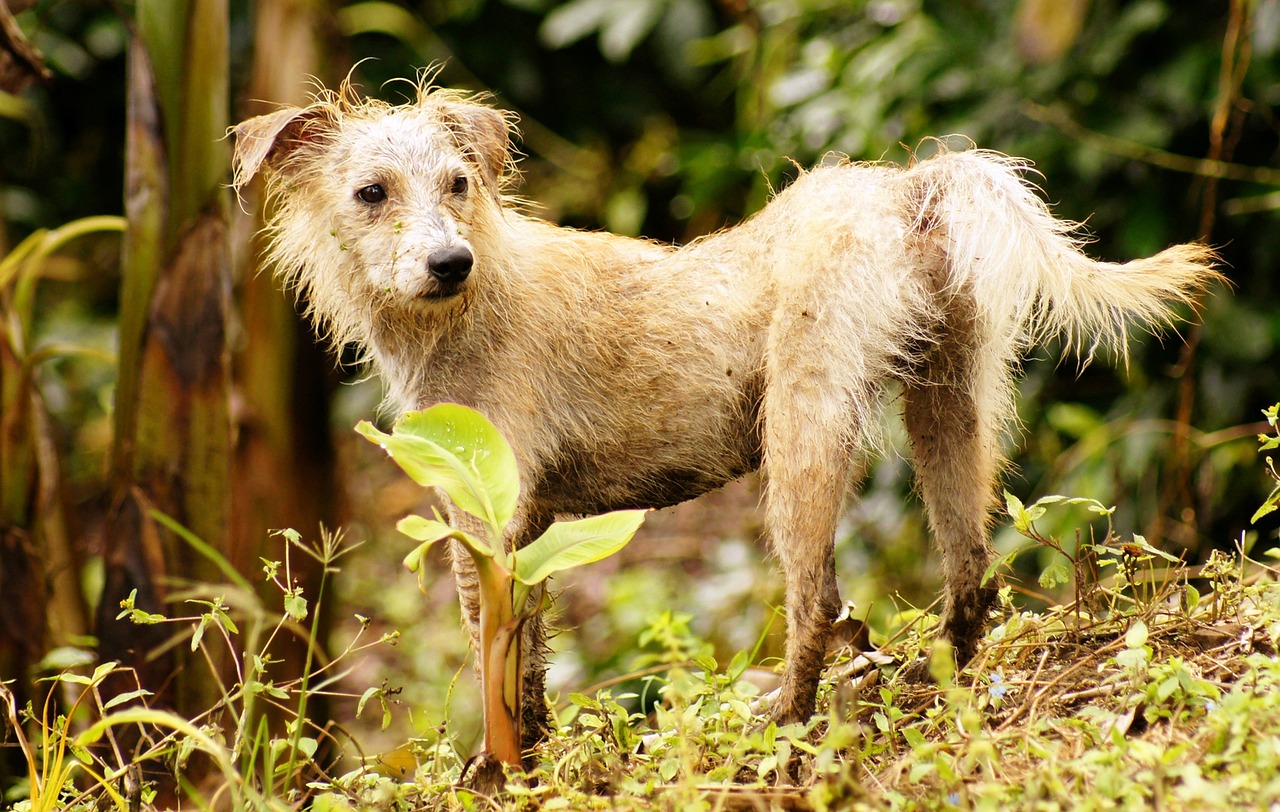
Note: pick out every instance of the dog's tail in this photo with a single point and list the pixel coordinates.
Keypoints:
(1026, 269)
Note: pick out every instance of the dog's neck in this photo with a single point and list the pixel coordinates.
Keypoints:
(435, 354)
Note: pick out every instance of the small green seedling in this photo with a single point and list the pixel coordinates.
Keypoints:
(458, 451)
(1081, 564)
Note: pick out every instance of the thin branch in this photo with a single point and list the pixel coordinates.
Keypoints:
(1202, 167)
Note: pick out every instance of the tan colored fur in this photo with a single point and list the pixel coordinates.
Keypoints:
(627, 373)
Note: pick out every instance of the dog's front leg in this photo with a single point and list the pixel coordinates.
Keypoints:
(524, 528)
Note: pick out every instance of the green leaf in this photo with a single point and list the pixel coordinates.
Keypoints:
(626, 24)
(1022, 515)
(767, 765)
(571, 544)
(1003, 561)
(364, 698)
(1056, 573)
(1191, 599)
(1268, 506)
(430, 531)
(1013, 505)
(1142, 542)
(572, 21)
(457, 450)
(65, 657)
(295, 605)
(120, 699)
(1136, 637)
(225, 621)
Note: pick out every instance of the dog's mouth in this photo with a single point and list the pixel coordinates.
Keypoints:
(441, 290)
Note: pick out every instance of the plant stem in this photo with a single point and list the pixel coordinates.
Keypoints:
(500, 662)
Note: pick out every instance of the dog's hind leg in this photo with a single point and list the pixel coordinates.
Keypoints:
(805, 489)
(810, 427)
(953, 408)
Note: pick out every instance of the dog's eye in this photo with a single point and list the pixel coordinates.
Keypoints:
(371, 194)
(459, 186)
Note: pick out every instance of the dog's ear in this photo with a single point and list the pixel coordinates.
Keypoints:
(269, 137)
(483, 135)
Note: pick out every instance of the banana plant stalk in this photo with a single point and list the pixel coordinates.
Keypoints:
(456, 450)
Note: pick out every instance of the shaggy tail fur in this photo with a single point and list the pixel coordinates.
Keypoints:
(1026, 268)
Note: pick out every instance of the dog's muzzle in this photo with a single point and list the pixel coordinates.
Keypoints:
(449, 267)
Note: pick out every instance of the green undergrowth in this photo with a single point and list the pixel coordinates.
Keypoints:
(1160, 689)
(1168, 702)
(1153, 685)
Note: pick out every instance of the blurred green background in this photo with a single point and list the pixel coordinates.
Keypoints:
(1153, 122)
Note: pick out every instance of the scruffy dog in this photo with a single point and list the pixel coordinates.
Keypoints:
(627, 373)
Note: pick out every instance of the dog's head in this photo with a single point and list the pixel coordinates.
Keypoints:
(374, 205)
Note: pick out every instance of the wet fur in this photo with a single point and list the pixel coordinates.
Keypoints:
(628, 373)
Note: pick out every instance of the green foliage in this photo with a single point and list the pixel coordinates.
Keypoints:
(1082, 565)
(1269, 443)
(673, 118)
(446, 447)
(81, 759)
(455, 449)
(1128, 717)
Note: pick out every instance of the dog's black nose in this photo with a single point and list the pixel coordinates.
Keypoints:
(450, 265)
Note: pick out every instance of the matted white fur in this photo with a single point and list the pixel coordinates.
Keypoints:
(628, 373)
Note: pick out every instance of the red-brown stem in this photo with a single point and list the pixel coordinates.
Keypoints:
(500, 654)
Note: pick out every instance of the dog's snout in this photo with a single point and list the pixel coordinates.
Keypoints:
(450, 265)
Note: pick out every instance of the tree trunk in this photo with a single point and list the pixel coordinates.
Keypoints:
(283, 456)
(172, 443)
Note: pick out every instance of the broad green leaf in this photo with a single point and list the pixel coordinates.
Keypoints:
(1136, 637)
(430, 465)
(295, 605)
(469, 434)
(430, 531)
(570, 544)
(457, 450)
(1013, 505)
(1056, 573)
